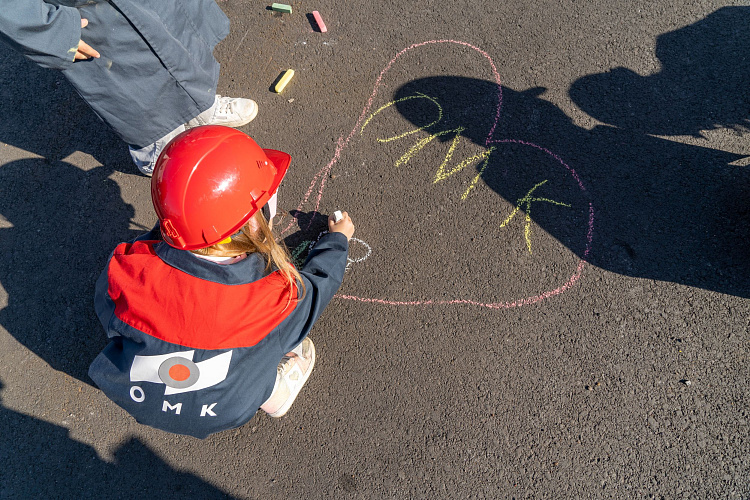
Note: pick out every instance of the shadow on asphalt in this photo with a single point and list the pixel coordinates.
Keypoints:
(63, 222)
(702, 82)
(40, 460)
(42, 114)
(60, 222)
(309, 227)
(663, 210)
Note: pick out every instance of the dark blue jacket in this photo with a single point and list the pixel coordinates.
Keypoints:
(156, 70)
(195, 344)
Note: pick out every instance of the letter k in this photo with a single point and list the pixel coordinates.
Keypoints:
(206, 410)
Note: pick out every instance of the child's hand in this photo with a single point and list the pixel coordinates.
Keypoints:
(343, 226)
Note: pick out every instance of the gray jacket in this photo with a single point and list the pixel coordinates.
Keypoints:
(156, 69)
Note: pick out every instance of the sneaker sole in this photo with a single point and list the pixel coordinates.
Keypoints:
(288, 403)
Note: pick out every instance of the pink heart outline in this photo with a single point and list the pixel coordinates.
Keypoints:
(322, 175)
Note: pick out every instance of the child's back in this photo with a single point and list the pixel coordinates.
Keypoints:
(195, 343)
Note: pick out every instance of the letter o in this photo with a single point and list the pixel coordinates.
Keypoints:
(140, 397)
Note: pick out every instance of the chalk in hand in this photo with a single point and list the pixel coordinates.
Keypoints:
(337, 216)
(320, 22)
(286, 77)
(281, 7)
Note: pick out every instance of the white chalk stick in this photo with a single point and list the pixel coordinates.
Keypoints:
(337, 216)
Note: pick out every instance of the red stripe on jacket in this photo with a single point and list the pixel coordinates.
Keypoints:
(173, 306)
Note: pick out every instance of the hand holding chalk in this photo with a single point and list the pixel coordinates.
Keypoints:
(340, 222)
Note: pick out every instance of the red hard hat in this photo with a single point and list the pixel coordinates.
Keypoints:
(209, 181)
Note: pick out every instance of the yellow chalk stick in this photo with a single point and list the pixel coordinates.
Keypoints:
(288, 74)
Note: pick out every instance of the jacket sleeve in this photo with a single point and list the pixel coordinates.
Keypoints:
(45, 33)
(323, 273)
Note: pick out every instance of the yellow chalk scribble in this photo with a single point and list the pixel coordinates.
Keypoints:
(418, 95)
(481, 156)
(443, 172)
(526, 202)
(425, 141)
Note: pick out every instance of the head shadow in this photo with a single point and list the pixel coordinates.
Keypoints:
(661, 209)
(702, 82)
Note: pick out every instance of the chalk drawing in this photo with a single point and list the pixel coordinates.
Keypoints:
(308, 245)
(419, 145)
(297, 253)
(320, 178)
(368, 252)
(419, 95)
(526, 202)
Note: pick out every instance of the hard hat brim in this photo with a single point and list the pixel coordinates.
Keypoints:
(281, 161)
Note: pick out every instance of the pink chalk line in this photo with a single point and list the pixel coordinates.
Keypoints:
(342, 143)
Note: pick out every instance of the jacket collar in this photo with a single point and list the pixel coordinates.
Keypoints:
(243, 272)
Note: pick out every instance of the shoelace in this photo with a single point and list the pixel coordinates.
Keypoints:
(284, 366)
(225, 107)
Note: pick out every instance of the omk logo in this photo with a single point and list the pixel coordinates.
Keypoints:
(180, 374)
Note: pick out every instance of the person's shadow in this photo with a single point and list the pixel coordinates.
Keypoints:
(43, 114)
(40, 460)
(662, 209)
(702, 82)
(58, 222)
(60, 225)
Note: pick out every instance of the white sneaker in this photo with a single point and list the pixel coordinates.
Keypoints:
(227, 111)
(291, 374)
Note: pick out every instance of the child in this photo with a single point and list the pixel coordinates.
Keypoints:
(209, 322)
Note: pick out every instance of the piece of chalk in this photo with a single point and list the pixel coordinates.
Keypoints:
(288, 74)
(320, 22)
(337, 216)
(281, 7)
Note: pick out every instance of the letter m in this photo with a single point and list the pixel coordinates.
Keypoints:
(177, 408)
(444, 172)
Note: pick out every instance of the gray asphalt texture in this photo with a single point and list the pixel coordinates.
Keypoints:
(575, 326)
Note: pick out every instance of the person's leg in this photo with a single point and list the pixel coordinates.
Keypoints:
(145, 157)
(292, 373)
(227, 111)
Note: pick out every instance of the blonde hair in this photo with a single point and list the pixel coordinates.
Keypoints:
(256, 236)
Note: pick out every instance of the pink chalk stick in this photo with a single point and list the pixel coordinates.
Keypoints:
(320, 22)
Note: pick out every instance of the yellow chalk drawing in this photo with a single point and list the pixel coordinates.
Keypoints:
(424, 142)
(442, 172)
(440, 175)
(418, 95)
(526, 202)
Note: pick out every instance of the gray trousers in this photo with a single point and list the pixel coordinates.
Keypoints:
(145, 157)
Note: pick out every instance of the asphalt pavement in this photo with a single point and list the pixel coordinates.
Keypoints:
(548, 295)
